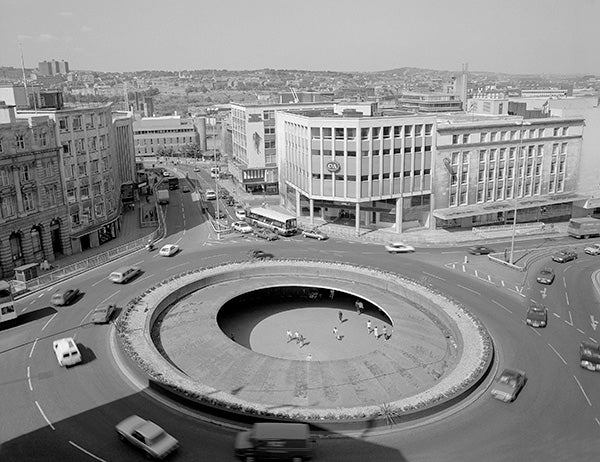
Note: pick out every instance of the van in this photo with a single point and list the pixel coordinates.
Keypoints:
(123, 275)
(66, 351)
(275, 441)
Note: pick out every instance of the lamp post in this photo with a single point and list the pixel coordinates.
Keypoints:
(218, 212)
(515, 192)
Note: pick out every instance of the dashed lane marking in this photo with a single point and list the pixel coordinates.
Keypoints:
(558, 316)
(501, 306)
(593, 340)
(32, 347)
(49, 321)
(433, 276)
(558, 354)
(86, 452)
(580, 331)
(470, 290)
(583, 391)
(29, 379)
(44, 416)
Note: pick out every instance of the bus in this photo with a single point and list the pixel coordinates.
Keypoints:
(583, 227)
(173, 183)
(7, 303)
(281, 223)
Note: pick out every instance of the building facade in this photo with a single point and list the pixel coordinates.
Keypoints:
(158, 136)
(429, 103)
(486, 168)
(362, 166)
(253, 160)
(34, 220)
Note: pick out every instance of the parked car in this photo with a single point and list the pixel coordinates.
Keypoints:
(241, 227)
(315, 234)
(508, 385)
(220, 215)
(399, 247)
(168, 250)
(102, 314)
(147, 436)
(65, 297)
(479, 250)
(537, 315)
(564, 256)
(545, 276)
(240, 214)
(210, 195)
(593, 249)
(185, 188)
(197, 169)
(265, 233)
(230, 201)
(259, 254)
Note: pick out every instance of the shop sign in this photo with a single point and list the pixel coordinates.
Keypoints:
(333, 166)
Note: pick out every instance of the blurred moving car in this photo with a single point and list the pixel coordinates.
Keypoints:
(124, 275)
(259, 254)
(479, 250)
(315, 234)
(593, 249)
(399, 247)
(589, 356)
(185, 188)
(147, 436)
(267, 234)
(65, 297)
(241, 227)
(66, 351)
(564, 256)
(508, 385)
(168, 250)
(240, 214)
(102, 314)
(537, 315)
(545, 276)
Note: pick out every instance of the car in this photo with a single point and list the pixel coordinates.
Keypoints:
(537, 315)
(593, 249)
(124, 275)
(102, 314)
(315, 234)
(65, 297)
(240, 214)
(210, 195)
(241, 227)
(267, 234)
(66, 351)
(230, 201)
(508, 385)
(259, 254)
(185, 188)
(399, 247)
(564, 256)
(219, 215)
(545, 276)
(165, 173)
(197, 169)
(168, 250)
(147, 436)
(479, 250)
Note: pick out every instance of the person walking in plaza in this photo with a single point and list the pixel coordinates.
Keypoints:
(297, 336)
(375, 333)
(369, 326)
(289, 335)
(301, 339)
(331, 294)
(340, 316)
(384, 332)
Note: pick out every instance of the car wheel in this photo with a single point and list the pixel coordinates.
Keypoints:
(121, 437)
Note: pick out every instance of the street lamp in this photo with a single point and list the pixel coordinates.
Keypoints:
(515, 192)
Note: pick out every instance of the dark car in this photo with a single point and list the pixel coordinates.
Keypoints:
(564, 256)
(479, 250)
(186, 188)
(230, 201)
(65, 297)
(537, 315)
(265, 233)
(508, 385)
(545, 276)
(259, 254)
(102, 314)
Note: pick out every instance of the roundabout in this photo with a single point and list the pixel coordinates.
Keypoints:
(217, 337)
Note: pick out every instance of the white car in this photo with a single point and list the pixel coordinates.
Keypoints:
(240, 214)
(66, 351)
(399, 247)
(242, 227)
(593, 249)
(168, 250)
(210, 195)
(165, 173)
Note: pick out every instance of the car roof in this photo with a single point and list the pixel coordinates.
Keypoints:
(149, 430)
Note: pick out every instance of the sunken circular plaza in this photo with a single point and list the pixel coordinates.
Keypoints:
(219, 337)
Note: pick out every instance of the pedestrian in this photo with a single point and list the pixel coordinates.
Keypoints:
(340, 316)
(359, 306)
(297, 336)
(331, 294)
(308, 357)
(289, 335)
(301, 339)
(384, 332)
(335, 331)
(375, 332)
(369, 326)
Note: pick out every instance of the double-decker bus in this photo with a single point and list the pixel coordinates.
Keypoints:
(7, 303)
(173, 183)
(281, 223)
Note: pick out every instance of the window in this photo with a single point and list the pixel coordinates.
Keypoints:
(556, 131)
(75, 219)
(454, 139)
(5, 177)
(565, 131)
(71, 195)
(418, 130)
(25, 173)
(82, 168)
(77, 123)
(364, 133)
(8, 206)
(84, 192)
(43, 139)
(92, 143)
(51, 195)
(95, 166)
(28, 201)
(49, 169)
(67, 147)
(96, 189)
(90, 121)
(351, 133)
(428, 129)
(465, 138)
(20, 139)
(484, 137)
(63, 124)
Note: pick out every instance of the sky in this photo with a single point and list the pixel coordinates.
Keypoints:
(511, 36)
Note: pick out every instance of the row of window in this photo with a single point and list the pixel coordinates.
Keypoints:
(16, 246)
(157, 141)
(162, 132)
(385, 152)
(383, 176)
(26, 172)
(76, 121)
(84, 192)
(73, 169)
(93, 144)
(349, 133)
(507, 135)
(85, 217)
(29, 199)
(40, 138)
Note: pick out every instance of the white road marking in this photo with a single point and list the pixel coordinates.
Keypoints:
(49, 321)
(86, 452)
(564, 282)
(44, 416)
(85, 317)
(29, 379)
(433, 276)
(470, 290)
(138, 280)
(32, 347)
(534, 329)
(97, 282)
(464, 268)
(558, 316)
(476, 274)
(110, 296)
(583, 391)
(32, 302)
(580, 331)
(597, 421)
(138, 263)
(570, 321)
(42, 294)
(558, 354)
(501, 306)
(502, 282)
(593, 340)
(489, 278)
(567, 297)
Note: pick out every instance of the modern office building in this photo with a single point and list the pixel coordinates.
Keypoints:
(47, 68)
(429, 102)
(157, 136)
(356, 164)
(487, 167)
(34, 220)
(253, 161)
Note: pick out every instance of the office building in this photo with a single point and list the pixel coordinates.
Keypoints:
(163, 136)
(429, 102)
(48, 68)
